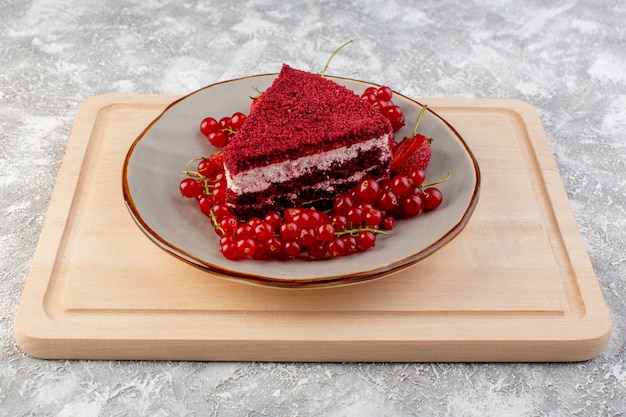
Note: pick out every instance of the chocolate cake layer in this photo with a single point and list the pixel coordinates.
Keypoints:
(316, 189)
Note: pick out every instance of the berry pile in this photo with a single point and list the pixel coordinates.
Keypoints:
(381, 99)
(220, 132)
(352, 225)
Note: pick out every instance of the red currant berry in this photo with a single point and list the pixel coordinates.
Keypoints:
(220, 209)
(370, 90)
(336, 247)
(389, 223)
(218, 230)
(411, 204)
(306, 237)
(318, 218)
(246, 246)
(418, 191)
(218, 139)
(365, 207)
(384, 93)
(229, 224)
(225, 123)
(417, 177)
(373, 217)
(394, 112)
(291, 249)
(263, 231)
(244, 231)
(303, 219)
(325, 232)
(190, 188)
(274, 218)
(317, 250)
(351, 245)
(206, 203)
(396, 117)
(387, 200)
(291, 212)
(367, 190)
(209, 125)
(289, 231)
(397, 124)
(342, 203)
(400, 185)
(201, 188)
(254, 221)
(355, 216)
(274, 245)
(260, 252)
(230, 251)
(433, 198)
(219, 194)
(207, 167)
(369, 98)
(339, 222)
(383, 106)
(236, 120)
(366, 239)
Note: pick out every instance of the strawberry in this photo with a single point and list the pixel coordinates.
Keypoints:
(256, 99)
(412, 152)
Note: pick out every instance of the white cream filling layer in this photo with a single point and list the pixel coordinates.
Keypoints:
(258, 179)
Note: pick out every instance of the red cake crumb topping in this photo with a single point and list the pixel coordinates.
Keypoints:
(302, 114)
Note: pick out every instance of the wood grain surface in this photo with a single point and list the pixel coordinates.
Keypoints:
(515, 285)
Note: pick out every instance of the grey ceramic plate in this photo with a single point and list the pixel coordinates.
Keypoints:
(152, 172)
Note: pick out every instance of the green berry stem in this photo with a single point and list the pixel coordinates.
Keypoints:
(216, 224)
(206, 182)
(229, 131)
(194, 160)
(354, 232)
(444, 179)
(332, 56)
(258, 92)
(194, 174)
(419, 119)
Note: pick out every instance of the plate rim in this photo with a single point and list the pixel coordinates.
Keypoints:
(392, 267)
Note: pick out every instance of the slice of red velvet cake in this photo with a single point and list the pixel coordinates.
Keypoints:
(307, 140)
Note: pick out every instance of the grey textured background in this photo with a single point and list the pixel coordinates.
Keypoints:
(565, 57)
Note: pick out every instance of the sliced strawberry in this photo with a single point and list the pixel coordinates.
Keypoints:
(411, 153)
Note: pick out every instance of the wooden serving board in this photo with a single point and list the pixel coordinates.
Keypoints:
(515, 285)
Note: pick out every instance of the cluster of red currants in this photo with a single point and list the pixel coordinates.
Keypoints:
(297, 232)
(381, 99)
(219, 132)
(207, 184)
(352, 225)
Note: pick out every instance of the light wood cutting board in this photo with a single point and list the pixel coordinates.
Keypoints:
(515, 285)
